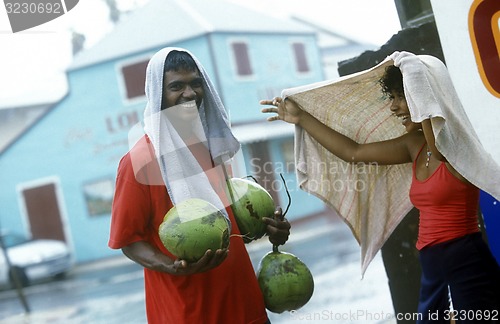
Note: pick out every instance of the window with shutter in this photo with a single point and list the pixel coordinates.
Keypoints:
(134, 77)
(301, 64)
(242, 59)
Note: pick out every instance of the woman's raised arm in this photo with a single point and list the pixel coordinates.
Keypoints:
(394, 151)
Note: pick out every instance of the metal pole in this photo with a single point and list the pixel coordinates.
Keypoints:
(15, 278)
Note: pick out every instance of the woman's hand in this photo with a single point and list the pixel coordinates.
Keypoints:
(286, 110)
(278, 228)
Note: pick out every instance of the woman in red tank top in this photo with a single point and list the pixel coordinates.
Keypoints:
(455, 260)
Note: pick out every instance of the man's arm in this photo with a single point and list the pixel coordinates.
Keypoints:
(151, 258)
(148, 256)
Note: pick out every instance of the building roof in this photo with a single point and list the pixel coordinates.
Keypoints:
(327, 38)
(164, 22)
(14, 121)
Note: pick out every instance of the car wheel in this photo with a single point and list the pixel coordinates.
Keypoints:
(20, 275)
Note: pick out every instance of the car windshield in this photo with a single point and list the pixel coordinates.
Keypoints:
(10, 240)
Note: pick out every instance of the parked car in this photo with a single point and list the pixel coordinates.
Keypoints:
(33, 260)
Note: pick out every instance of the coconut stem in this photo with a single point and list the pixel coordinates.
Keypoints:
(278, 217)
(253, 178)
(288, 195)
(228, 183)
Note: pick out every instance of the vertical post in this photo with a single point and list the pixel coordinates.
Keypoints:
(15, 278)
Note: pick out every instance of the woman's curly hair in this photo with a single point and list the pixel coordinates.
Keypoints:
(392, 81)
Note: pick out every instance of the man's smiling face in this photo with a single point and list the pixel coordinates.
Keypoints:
(182, 86)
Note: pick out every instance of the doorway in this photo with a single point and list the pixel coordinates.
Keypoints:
(42, 203)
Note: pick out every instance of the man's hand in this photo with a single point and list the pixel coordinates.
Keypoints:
(209, 261)
(278, 228)
(150, 257)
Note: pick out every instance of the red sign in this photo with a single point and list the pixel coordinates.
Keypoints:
(484, 31)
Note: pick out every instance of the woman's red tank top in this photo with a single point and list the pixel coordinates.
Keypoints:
(448, 207)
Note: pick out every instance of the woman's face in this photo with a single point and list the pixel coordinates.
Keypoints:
(399, 108)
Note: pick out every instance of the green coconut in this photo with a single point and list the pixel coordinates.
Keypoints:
(250, 203)
(285, 281)
(192, 227)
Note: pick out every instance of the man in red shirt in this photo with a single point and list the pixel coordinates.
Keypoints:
(172, 162)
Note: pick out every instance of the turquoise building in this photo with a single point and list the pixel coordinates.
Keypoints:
(57, 179)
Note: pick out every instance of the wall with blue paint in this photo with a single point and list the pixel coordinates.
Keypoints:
(302, 204)
(273, 65)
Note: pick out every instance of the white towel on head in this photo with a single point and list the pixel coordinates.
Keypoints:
(181, 171)
(373, 199)
(431, 95)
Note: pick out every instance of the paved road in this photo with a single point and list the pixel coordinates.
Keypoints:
(111, 291)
